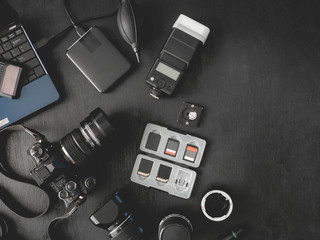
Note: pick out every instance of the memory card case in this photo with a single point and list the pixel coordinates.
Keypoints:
(178, 148)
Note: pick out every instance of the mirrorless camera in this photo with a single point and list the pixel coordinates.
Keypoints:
(54, 162)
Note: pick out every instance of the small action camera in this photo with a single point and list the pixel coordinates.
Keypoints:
(186, 37)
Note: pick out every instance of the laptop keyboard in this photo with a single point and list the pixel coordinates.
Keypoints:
(15, 48)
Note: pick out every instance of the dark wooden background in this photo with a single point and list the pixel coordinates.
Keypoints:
(258, 78)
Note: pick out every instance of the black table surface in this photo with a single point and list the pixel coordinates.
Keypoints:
(257, 77)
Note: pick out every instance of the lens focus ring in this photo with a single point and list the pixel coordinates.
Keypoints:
(78, 146)
(97, 126)
(72, 152)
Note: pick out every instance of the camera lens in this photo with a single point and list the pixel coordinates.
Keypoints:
(175, 227)
(96, 127)
(126, 228)
(80, 144)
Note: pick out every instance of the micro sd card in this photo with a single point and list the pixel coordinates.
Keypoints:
(190, 153)
(163, 173)
(172, 147)
(145, 167)
(153, 141)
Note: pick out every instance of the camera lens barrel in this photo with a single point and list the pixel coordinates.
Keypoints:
(96, 127)
(126, 229)
(71, 147)
(80, 144)
(175, 226)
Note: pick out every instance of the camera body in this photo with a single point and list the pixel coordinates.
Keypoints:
(52, 170)
(55, 163)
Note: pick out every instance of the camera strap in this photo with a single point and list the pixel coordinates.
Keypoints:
(74, 207)
(3, 229)
(4, 169)
(7, 200)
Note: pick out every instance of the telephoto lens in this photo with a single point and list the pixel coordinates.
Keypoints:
(175, 227)
(79, 145)
(216, 205)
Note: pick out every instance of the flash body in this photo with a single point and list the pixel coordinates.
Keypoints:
(186, 37)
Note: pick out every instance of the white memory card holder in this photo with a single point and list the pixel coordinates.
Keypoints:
(175, 147)
(168, 177)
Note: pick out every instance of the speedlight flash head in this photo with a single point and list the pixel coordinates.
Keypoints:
(186, 37)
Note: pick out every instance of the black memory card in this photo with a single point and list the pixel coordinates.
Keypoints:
(153, 141)
(163, 173)
(145, 167)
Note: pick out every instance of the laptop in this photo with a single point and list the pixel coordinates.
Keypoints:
(37, 89)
